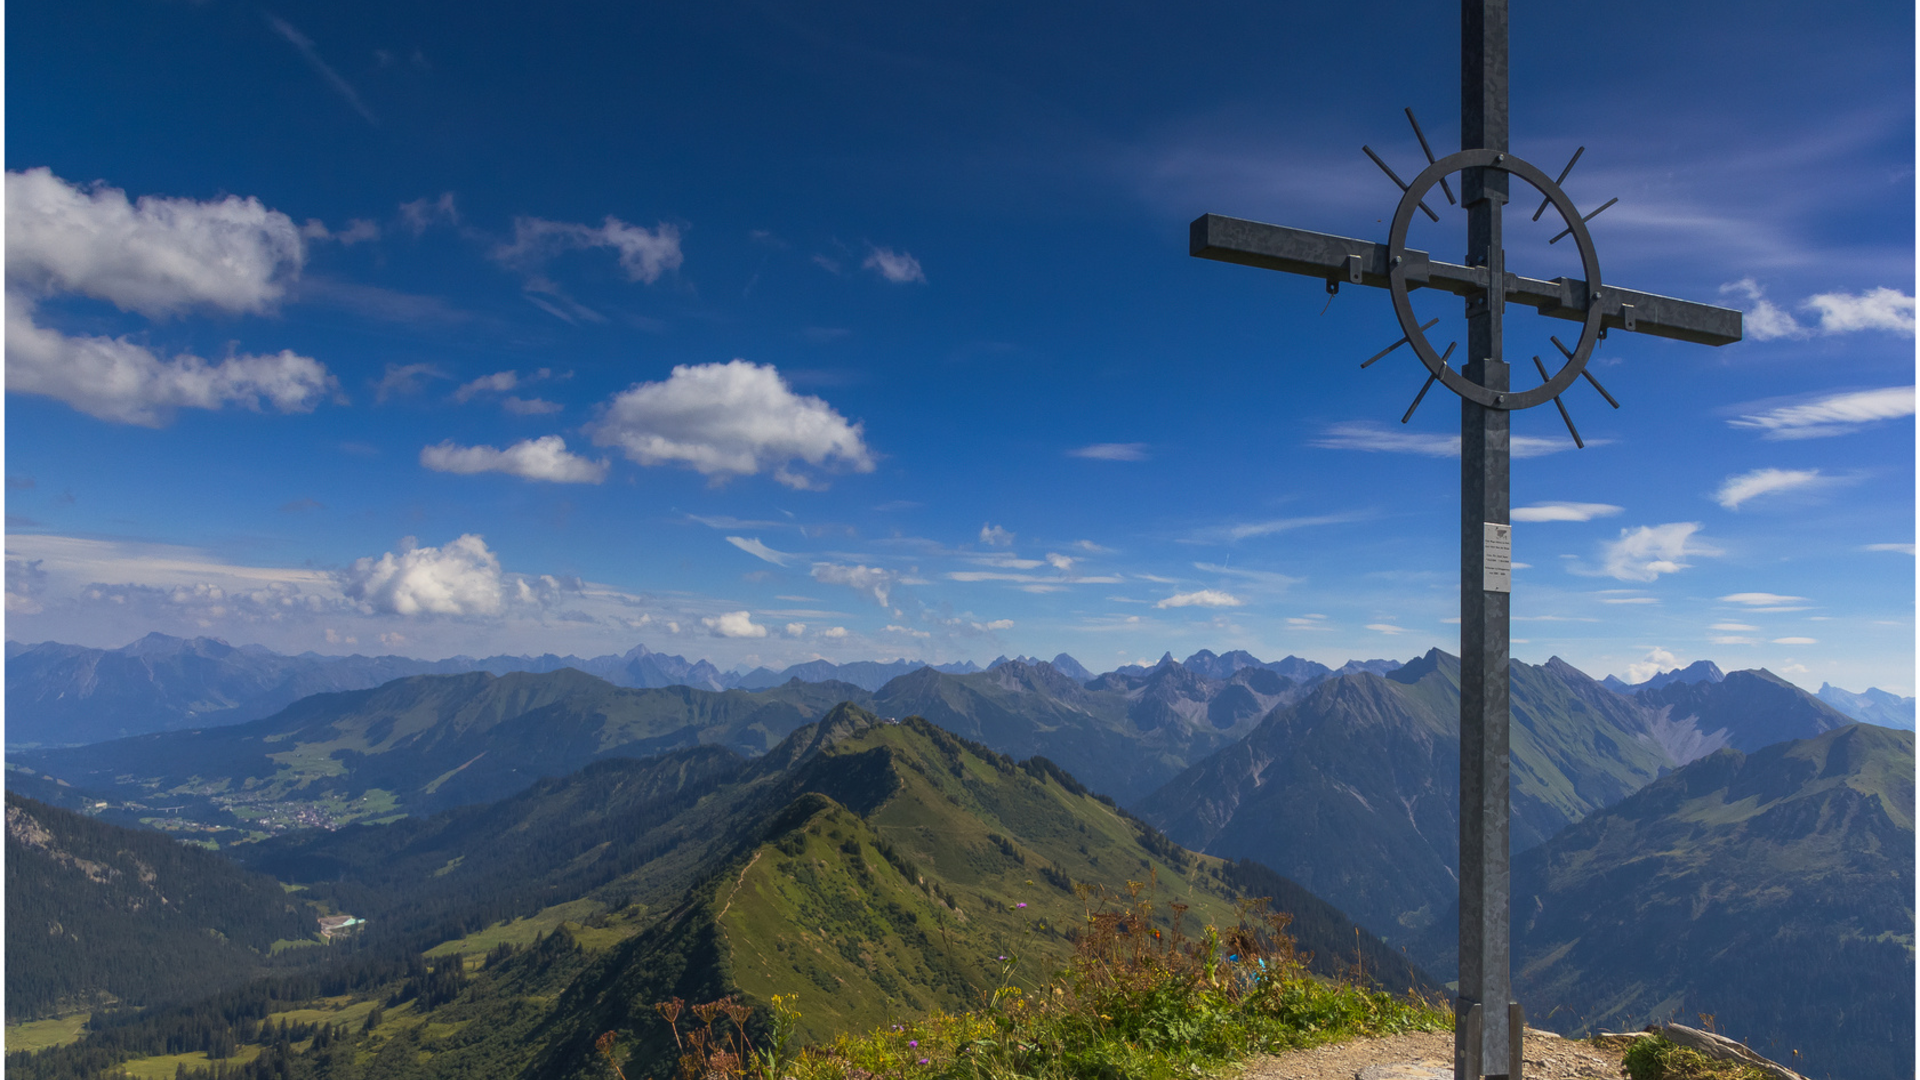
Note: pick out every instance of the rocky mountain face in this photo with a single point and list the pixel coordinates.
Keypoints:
(1772, 890)
(1745, 710)
(1872, 707)
(1354, 789)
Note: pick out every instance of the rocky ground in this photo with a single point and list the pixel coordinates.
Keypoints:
(1429, 1056)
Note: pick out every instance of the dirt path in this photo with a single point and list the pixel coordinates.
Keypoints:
(741, 880)
(1429, 1056)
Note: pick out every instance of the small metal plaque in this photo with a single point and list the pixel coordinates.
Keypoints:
(1497, 559)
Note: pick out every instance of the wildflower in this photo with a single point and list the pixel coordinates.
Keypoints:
(923, 1061)
(1021, 904)
(999, 958)
(915, 1043)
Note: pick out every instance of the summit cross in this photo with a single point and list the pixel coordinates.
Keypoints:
(1488, 1022)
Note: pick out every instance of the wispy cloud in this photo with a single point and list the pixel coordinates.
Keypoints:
(545, 458)
(1564, 511)
(1212, 598)
(1252, 529)
(1906, 549)
(895, 266)
(1759, 482)
(1374, 438)
(1263, 577)
(1766, 601)
(1646, 552)
(1112, 451)
(1833, 414)
(759, 550)
(304, 45)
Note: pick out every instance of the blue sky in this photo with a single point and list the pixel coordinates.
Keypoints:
(768, 332)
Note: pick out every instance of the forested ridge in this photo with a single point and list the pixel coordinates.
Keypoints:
(96, 913)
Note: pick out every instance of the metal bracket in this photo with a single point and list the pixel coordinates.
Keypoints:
(1467, 1044)
(1352, 265)
(1626, 317)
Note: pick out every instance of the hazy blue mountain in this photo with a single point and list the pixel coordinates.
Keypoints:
(1071, 668)
(866, 674)
(1773, 890)
(1698, 671)
(1873, 707)
(1378, 667)
(1745, 710)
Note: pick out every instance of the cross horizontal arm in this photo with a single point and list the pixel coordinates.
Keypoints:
(1363, 262)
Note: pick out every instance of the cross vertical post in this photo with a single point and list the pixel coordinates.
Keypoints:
(1485, 941)
(1489, 1025)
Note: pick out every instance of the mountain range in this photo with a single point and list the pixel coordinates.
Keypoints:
(65, 695)
(876, 869)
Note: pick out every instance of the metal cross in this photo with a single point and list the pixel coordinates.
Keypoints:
(1488, 1023)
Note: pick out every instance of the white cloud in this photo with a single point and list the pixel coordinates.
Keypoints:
(1201, 598)
(1761, 600)
(1644, 553)
(834, 632)
(1906, 549)
(1796, 641)
(115, 379)
(1734, 628)
(997, 624)
(1112, 451)
(1765, 320)
(896, 266)
(893, 629)
(759, 550)
(1752, 485)
(1875, 309)
(1630, 600)
(545, 458)
(1656, 661)
(158, 257)
(1364, 435)
(498, 382)
(1091, 548)
(1564, 511)
(872, 580)
(1386, 628)
(1834, 414)
(734, 624)
(1835, 313)
(795, 629)
(462, 578)
(995, 536)
(1732, 639)
(1062, 563)
(732, 419)
(644, 254)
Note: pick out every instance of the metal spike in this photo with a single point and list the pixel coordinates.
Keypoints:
(1429, 150)
(1428, 385)
(1575, 432)
(1589, 217)
(1587, 371)
(1369, 360)
(1396, 179)
(1548, 201)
